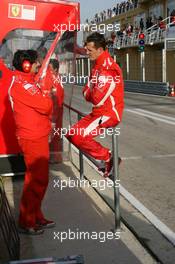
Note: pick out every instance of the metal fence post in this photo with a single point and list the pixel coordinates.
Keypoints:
(81, 159)
(89, 67)
(164, 64)
(127, 65)
(142, 63)
(116, 181)
(82, 65)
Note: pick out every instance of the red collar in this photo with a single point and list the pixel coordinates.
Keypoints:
(100, 60)
(24, 75)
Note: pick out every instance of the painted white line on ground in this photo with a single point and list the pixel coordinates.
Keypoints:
(165, 230)
(150, 116)
(149, 157)
(132, 158)
(163, 156)
(155, 114)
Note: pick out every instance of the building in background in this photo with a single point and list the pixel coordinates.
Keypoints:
(156, 19)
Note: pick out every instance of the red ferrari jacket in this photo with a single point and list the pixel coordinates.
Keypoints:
(105, 89)
(32, 108)
(59, 90)
(51, 81)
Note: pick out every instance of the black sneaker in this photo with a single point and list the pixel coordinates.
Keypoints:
(108, 168)
(36, 230)
(44, 223)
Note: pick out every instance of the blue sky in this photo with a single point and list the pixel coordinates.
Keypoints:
(88, 8)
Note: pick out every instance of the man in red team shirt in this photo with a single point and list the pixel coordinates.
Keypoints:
(105, 90)
(32, 110)
(53, 86)
(58, 99)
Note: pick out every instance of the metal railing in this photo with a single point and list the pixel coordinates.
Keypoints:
(8, 229)
(154, 34)
(117, 226)
(165, 22)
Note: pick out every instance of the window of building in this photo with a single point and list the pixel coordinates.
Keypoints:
(155, 11)
(138, 18)
(170, 6)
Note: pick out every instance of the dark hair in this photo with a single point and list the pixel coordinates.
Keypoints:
(98, 39)
(55, 64)
(21, 55)
(33, 55)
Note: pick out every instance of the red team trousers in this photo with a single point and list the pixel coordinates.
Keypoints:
(83, 132)
(36, 156)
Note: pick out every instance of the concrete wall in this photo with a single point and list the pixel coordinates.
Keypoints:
(153, 64)
(134, 64)
(121, 60)
(171, 66)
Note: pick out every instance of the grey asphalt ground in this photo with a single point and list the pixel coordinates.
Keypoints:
(76, 211)
(147, 146)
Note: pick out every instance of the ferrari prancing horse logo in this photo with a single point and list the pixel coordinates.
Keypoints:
(15, 10)
(25, 12)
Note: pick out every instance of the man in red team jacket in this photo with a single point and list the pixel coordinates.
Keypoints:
(105, 90)
(32, 110)
(53, 86)
(58, 99)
